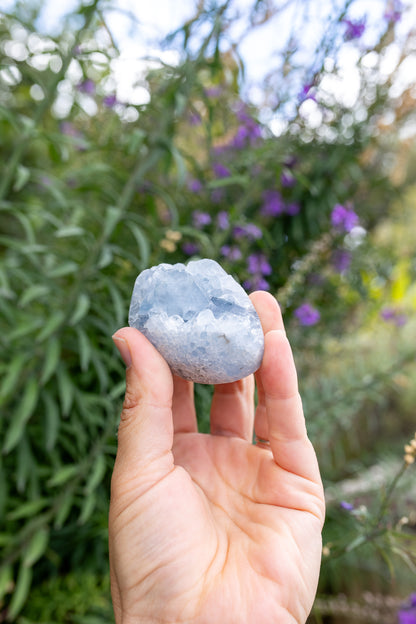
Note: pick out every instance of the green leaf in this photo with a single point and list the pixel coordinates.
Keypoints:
(112, 217)
(87, 508)
(96, 475)
(6, 581)
(142, 242)
(64, 268)
(69, 230)
(65, 388)
(36, 547)
(52, 420)
(84, 348)
(63, 475)
(81, 308)
(22, 415)
(21, 592)
(29, 509)
(64, 510)
(119, 305)
(55, 320)
(36, 291)
(22, 178)
(53, 351)
(13, 376)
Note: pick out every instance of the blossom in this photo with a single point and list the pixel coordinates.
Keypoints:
(341, 260)
(346, 506)
(394, 316)
(87, 86)
(287, 179)
(213, 92)
(221, 171)
(343, 218)
(407, 612)
(307, 315)
(249, 231)
(354, 29)
(394, 10)
(217, 196)
(292, 209)
(195, 185)
(257, 264)
(190, 249)
(307, 93)
(273, 204)
(200, 219)
(222, 220)
(110, 100)
(257, 282)
(231, 252)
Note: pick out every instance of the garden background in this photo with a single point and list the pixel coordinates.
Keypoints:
(301, 182)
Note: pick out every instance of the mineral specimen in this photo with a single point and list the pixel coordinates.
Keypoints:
(199, 319)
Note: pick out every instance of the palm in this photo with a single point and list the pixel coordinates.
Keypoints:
(217, 530)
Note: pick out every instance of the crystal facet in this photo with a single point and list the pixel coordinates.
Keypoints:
(200, 320)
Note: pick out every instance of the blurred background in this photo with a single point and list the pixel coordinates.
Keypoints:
(275, 136)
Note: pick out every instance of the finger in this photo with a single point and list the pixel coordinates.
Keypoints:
(286, 422)
(271, 318)
(232, 409)
(145, 432)
(183, 406)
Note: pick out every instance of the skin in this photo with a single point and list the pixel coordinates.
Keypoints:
(210, 528)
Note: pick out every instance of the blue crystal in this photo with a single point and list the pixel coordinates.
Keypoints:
(200, 320)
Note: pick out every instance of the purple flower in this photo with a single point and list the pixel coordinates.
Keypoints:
(194, 119)
(407, 612)
(392, 315)
(249, 231)
(213, 92)
(190, 249)
(354, 29)
(341, 260)
(195, 186)
(287, 179)
(257, 264)
(292, 209)
(343, 218)
(200, 219)
(307, 315)
(257, 282)
(273, 204)
(346, 506)
(231, 252)
(221, 171)
(222, 220)
(87, 86)
(307, 93)
(217, 196)
(110, 100)
(393, 12)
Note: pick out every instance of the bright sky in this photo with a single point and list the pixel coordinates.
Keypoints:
(258, 50)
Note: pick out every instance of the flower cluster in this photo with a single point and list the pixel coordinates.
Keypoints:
(169, 242)
(307, 315)
(410, 451)
(407, 612)
(344, 218)
(354, 28)
(392, 315)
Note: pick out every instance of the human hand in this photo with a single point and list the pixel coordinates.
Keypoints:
(211, 528)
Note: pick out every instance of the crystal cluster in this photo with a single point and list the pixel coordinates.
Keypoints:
(200, 320)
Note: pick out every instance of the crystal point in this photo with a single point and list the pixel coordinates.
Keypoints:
(200, 320)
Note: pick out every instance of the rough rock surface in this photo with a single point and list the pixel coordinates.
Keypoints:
(200, 320)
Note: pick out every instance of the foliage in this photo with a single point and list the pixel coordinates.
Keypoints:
(93, 190)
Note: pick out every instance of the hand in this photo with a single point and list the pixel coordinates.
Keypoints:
(213, 529)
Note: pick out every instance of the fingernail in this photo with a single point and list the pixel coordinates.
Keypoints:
(124, 350)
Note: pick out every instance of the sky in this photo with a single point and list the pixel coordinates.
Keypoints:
(258, 50)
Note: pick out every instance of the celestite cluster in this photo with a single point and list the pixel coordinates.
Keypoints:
(200, 320)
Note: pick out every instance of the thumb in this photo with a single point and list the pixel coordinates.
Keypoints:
(146, 430)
